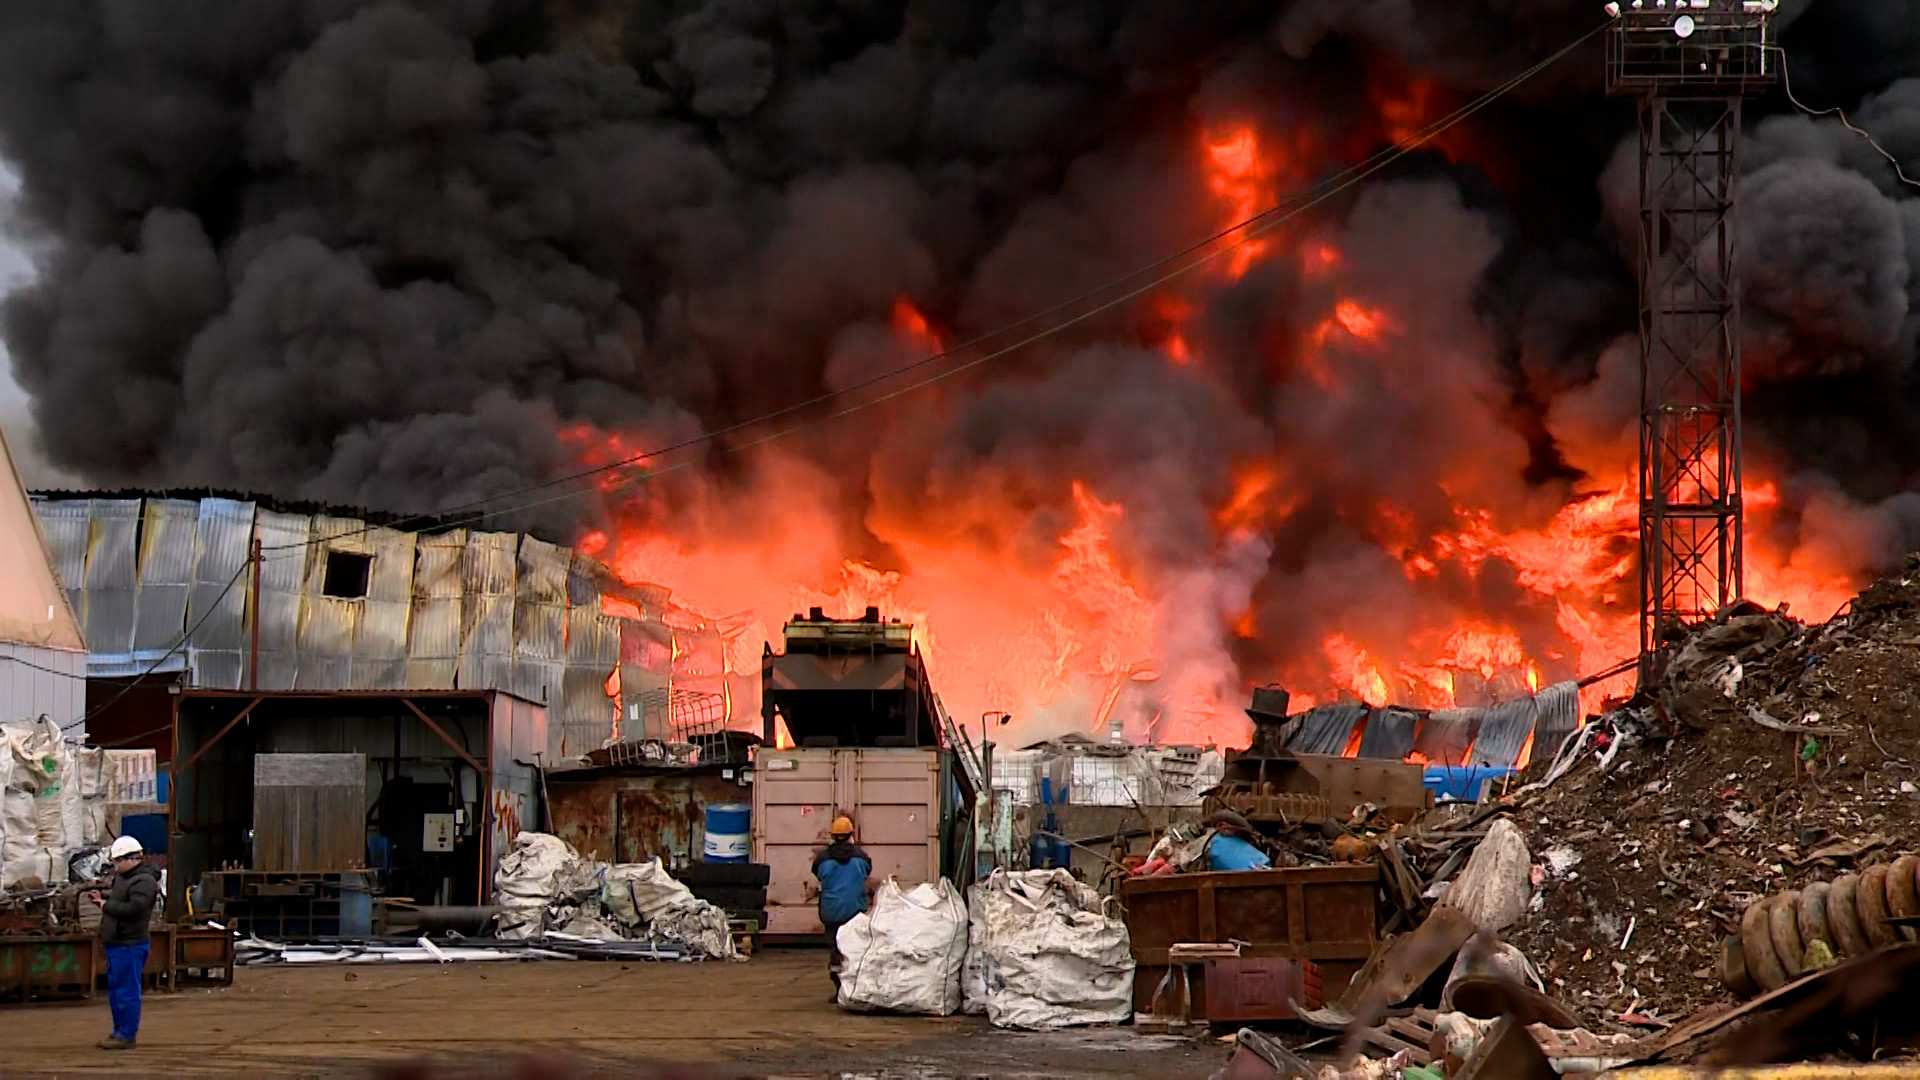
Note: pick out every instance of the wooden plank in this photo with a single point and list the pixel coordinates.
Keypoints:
(309, 827)
(309, 770)
(1393, 1043)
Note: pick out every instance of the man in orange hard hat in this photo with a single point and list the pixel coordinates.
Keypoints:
(843, 871)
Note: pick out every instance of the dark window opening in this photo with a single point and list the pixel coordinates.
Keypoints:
(347, 575)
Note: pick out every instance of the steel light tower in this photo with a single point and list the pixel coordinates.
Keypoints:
(1689, 63)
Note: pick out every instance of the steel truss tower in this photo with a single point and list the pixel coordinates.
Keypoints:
(1689, 63)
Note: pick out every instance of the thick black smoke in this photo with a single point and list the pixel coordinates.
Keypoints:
(386, 254)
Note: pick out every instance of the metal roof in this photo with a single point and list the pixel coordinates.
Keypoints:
(447, 610)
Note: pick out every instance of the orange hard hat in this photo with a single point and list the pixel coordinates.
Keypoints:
(842, 826)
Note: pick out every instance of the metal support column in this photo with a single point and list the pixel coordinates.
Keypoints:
(1690, 495)
(1689, 66)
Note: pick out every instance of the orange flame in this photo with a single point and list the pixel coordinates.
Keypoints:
(1243, 180)
(1037, 599)
(909, 322)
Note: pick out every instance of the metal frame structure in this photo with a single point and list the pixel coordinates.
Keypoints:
(1690, 66)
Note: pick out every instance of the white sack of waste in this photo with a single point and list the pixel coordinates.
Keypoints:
(644, 894)
(700, 925)
(526, 881)
(1494, 888)
(651, 891)
(1050, 955)
(33, 840)
(905, 954)
(973, 972)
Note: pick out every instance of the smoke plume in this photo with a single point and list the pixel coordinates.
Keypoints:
(399, 255)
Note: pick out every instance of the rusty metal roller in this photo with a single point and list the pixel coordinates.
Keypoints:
(1872, 898)
(1783, 919)
(1843, 918)
(1903, 892)
(1811, 915)
(1756, 945)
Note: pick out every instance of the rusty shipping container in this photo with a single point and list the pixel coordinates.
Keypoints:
(907, 805)
(1326, 914)
(635, 813)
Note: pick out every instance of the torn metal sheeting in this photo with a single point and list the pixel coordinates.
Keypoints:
(448, 610)
(1494, 735)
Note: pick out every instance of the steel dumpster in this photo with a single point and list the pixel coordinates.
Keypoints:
(1326, 914)
(42, 968)
(898, 798)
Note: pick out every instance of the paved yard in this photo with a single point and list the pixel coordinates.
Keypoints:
(767, 1017)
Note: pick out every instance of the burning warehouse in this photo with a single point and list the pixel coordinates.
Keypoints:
(450, 664)
(474, 384)
(164, 586)
(1383, 449)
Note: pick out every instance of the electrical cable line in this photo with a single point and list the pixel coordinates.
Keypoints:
(1786, 83)
(24, 662)
(164, 657)
(1240, 233)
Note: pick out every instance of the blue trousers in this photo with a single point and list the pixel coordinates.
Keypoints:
(126, 964)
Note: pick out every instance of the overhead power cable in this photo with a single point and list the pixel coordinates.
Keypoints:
(1194, 255)
(24, 662)
(164, 657)
(1786, 83)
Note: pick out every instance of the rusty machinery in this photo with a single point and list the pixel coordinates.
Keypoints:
(1278, 790)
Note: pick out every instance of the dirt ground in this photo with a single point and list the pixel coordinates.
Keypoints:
(768, 1017)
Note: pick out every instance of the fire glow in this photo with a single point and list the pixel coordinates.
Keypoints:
(1510, 591)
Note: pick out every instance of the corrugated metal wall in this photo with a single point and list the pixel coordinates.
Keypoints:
(458, 610)
(36, 681)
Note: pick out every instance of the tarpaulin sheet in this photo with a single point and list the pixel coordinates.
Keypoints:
(1326, 729)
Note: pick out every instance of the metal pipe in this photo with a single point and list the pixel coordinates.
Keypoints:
(253, 649)
(440, 918)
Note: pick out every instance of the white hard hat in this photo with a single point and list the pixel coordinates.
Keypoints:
(123, 847)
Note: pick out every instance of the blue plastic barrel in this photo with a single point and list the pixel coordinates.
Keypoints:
(1463, 782)
(729, 833)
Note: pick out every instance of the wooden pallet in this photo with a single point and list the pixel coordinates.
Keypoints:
(745, 933)
(1412, 1033)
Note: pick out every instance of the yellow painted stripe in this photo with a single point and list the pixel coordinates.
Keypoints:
(1769, 1073)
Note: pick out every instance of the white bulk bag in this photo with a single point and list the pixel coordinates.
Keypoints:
(1051, 954)
(905, 954)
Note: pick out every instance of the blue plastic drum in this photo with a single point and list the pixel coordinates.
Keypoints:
(729, 833)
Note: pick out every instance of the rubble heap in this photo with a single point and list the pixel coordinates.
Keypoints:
(1773, 755)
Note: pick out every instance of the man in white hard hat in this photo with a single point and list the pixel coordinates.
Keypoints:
(125, 911)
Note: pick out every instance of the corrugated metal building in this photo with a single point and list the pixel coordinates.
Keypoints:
(471, 758)
(42, 657)
(349, 603)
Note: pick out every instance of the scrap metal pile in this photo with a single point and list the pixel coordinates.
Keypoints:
(1749, 825)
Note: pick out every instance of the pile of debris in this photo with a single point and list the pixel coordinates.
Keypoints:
(546, 890)
(1773, 756)
(1765, 782)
